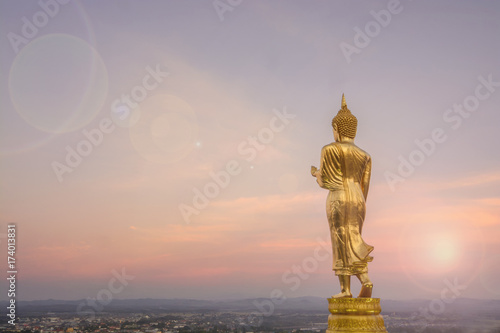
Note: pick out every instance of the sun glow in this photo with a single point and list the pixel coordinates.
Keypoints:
(443, 251)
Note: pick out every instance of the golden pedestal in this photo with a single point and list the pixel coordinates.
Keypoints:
(359, 315)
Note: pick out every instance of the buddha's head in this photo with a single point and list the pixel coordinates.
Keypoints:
(344, 123)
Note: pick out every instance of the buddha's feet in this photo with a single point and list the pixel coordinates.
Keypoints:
(366, 290)
(343, 295)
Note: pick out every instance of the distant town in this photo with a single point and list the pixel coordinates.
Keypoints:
(160, 316)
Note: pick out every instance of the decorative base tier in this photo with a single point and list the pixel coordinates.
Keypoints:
(355, 315)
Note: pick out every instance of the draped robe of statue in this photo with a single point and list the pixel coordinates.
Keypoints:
(345, 170)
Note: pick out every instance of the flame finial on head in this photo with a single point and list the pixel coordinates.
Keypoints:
(343, 101)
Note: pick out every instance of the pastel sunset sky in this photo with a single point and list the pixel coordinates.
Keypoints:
(172, 141)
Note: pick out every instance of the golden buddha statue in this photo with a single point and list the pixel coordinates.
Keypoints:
(345, 171)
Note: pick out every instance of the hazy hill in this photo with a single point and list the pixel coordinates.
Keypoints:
(300, 304)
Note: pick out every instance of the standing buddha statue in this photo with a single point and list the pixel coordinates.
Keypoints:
(345, 171)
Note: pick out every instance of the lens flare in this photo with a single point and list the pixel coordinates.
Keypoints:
(167, 130)
(58, 83)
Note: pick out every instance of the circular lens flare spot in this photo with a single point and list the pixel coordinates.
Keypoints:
(58, 83)
(167, 130)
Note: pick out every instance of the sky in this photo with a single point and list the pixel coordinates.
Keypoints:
(162, 149)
